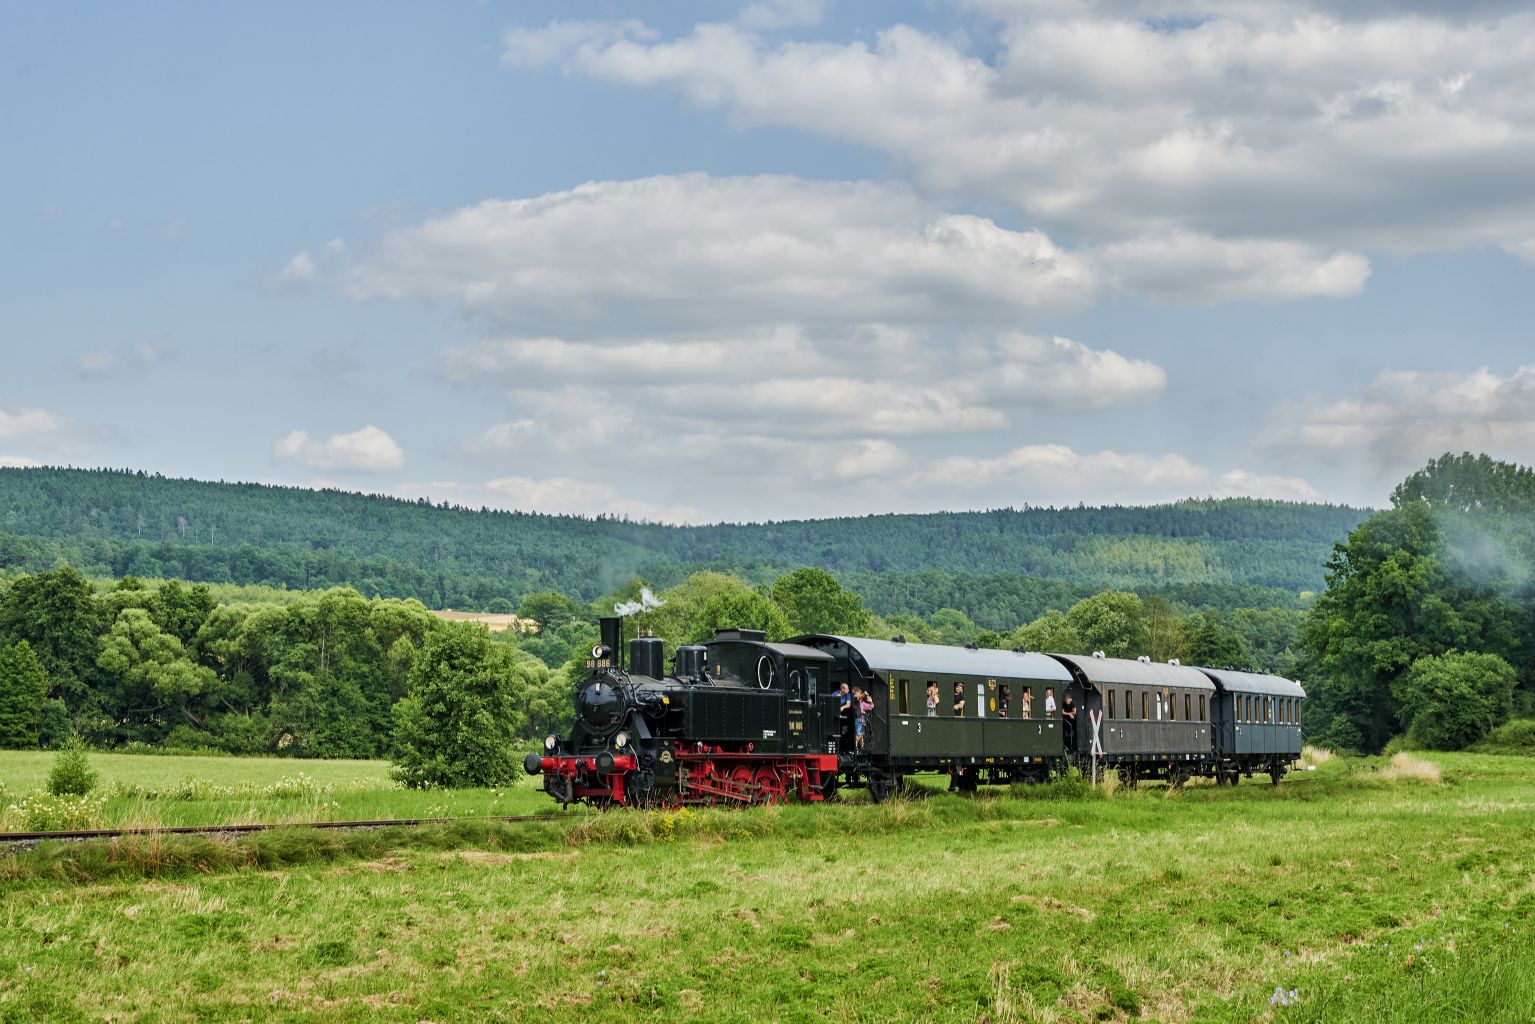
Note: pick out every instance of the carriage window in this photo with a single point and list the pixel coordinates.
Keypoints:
(1144, 715)
(904, 691)
(1249, 718)
(1004, 699)
(1129, 704)
(1111, 703)
(1201, 707)
(1026, 709)
(1188, 707)
(1172, 707)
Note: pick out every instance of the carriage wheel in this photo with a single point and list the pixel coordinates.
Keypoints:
(770, 785)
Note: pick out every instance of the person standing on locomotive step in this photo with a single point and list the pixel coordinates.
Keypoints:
(857, 718)
(932, 700)
(1049, 702)
(865, 710)
(959, 699)
(844, 718)
(1069, 722)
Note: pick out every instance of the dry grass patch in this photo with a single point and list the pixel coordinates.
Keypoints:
(1405, 767)
(1310, 755)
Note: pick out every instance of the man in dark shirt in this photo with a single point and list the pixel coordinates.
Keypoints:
(845, 714)
(1069, 722)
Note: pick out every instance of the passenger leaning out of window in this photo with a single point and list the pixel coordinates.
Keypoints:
(959, 699)
(1049, 702)
(932, 700)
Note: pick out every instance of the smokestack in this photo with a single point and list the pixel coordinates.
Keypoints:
(612, 628)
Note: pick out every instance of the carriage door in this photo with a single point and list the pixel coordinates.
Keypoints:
(803, 728)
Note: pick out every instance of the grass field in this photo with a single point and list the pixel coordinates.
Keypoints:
(1369, 895)
(146, 790)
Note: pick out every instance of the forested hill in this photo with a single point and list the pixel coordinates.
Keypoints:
(116, 523)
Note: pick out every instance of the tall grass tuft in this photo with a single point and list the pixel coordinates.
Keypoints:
(1310, 755)
(1405, 767)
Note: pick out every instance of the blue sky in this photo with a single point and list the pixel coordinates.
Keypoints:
(770, 260)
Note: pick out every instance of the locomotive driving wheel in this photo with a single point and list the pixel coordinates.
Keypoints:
(770, 785)
(741, 782)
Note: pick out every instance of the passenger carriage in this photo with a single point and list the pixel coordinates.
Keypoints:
(1257, 723)
(1001, 734)
(1143, 719)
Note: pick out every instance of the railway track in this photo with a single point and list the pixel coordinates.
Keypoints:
(80, 835)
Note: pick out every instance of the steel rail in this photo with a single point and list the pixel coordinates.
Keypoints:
(183, 830)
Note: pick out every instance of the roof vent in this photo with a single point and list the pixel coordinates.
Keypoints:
(1097, 654)
(899, 638)
(1174, 661)
(1019, 650)
(1144, 659)
(971, 647)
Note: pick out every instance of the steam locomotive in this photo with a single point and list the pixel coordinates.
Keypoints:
(740, 720)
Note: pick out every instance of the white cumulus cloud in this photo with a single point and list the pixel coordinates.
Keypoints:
(18, 424)
(1336, 128)
(695, 252)
(18, 462)
(1403, 418)
(368, 450)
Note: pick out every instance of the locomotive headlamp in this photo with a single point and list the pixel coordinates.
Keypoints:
(621, 740)
(551, 741)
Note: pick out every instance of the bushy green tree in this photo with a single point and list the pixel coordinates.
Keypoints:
(814, 601)
(58, 615)
(549, 610)
(1451, 701)
(1111, 621)
(149, 670)
(1389, 601)
(459, 723)
(23, 692)
(1214, 644)
(743, 609)
(72, 774)
(1050, 633)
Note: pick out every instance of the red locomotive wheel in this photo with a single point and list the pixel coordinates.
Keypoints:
(741, 781)
(770, 785)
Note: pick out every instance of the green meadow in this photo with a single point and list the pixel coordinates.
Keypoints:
(142, 790)
(1360, 891)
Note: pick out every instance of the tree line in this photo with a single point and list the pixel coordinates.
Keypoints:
(1426, 627)
(110, 523)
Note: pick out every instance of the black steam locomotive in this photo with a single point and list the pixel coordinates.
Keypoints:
(741, 720)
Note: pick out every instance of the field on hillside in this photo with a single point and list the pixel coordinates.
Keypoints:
(147, 790)
(1346, 894)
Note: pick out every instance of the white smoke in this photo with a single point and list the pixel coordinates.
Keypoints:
(646, 602)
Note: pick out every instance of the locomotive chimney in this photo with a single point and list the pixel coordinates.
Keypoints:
(612, 628)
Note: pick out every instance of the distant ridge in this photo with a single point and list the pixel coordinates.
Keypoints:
(122, 522)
